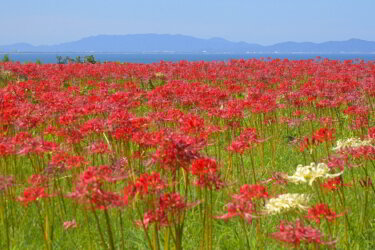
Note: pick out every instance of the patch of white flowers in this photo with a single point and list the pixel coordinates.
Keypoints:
(351, 143)
(311, 172)
(286, 202)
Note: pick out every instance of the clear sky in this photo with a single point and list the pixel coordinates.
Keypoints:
(254, 21)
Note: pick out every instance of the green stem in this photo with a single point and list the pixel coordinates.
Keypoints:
(98, 226)
(144, 228)
(107, 220)
(246, 234)
(253, 167)
(122, 230)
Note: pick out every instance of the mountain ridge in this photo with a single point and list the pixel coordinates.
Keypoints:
(159, 43)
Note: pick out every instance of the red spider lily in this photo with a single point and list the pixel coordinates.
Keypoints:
(310, 117)
(154, 216)
(366, 152)
(123, 124)
(92, 126)
(298, 112)
(203, 166)
(172, 202)
(232, 111)
(66, 161)
(334, 183)
(243, 205)
(21, 137)
(169, 204)
(250, 192)
(326, 121)
(37, 146)
(323, 134)
(99, 147)
(146, 184)
(6, 147)
(149, 184)
(339, 161)
(71, 135)
(67, 118)
(241, 208)
(38, 180)
(262, 102)
(88, 189)
(359, 122)
(304, 144)
(31, 194)
(295, 234)
(169, 115)
(178, 151)
(371, 133)
(151, 139)
(191, 123)
(206, 171)
(51, 130)
(245, 141)
(320, 211)
(356, 110)
(104, 199)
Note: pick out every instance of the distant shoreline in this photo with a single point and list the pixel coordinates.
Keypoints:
(189, 53)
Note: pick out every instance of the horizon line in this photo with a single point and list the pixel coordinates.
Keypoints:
(171, 34)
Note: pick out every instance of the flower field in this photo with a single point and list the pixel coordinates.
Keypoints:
(245, 154)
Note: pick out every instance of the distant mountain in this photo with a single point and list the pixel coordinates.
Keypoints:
(348, 46)
(186, 44)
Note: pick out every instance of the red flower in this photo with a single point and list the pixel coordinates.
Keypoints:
(203, 166)
(149, 184)
(323, 134)
(244, 141)
(371, 133)
(322, 211)
(304, 144)
(89, 188)
(31, 194)
(242, 208)
(366, 152)
(168, 204)
(178, 151)
(295, 234)
(339, 161)
(250, 192)
(154, 216)
(191, 123)
(334, 183)
(242, 204)
(99, 147)
(206, 171)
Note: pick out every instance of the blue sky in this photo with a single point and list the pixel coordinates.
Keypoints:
(255, 21)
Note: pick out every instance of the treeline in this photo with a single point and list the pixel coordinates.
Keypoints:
(63, 59)
(78, 59)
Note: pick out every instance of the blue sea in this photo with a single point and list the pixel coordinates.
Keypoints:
(174, 57)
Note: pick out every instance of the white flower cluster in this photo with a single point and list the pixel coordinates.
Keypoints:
(286, 202)
(311, 172)
(351, 143)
